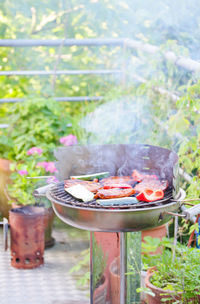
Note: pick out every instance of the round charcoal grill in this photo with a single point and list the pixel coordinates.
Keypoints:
(115, 236)
(94, 217)
(118, 160)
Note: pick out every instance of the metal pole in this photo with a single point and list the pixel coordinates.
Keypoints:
(133, 267)
(64, 99)
(91, 266)
(58, 42)
(123, 266)
(64, 72)
(118, 257)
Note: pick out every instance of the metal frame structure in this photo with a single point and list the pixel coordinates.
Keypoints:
(125, 43)
(21, 43)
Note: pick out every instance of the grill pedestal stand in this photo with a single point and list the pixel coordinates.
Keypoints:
(118, 257)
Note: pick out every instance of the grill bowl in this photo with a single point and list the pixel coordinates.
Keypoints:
(116, 219)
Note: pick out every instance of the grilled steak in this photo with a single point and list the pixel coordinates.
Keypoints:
(151, 183)
(117, 179)
(114, 193)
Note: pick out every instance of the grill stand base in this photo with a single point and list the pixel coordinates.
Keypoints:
(115, 267)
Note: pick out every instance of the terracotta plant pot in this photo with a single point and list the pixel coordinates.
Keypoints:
(49, 218)
(157, 232)
(100, 292)
(4, 180)
(161, 294)
(27, 226)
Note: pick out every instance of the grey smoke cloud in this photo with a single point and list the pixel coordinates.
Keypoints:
(123, 120)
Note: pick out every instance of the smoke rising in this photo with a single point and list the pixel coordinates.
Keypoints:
(128, 119)
(170, 25)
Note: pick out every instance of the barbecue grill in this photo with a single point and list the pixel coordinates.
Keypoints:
(116, 230)
(94, 217)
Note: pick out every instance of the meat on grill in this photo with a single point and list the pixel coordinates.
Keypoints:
(151, 183)
(117, 179)
(114, 193)
(91, 186)
(116, 185)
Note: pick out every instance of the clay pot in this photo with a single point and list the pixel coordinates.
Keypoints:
(4, 180)
(157, 232)
(49, 218)
(114, 271)
(158, 292)
(100, 292)
(163, 294)
(27, 226)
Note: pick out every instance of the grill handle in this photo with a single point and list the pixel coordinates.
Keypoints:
(191, 212)
(188, 214)
(41, 192)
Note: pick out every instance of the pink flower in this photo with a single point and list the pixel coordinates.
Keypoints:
(48, 166)
(23, 172)
(52, 179)
(34, 150)
(69, 140)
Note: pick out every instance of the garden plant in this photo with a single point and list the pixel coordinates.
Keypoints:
(175, 271)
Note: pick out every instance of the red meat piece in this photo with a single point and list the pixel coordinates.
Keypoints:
(114, 193)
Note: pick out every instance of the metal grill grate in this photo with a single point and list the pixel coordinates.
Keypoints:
(59, 194)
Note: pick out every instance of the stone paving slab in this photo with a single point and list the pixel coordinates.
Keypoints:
(50, 283)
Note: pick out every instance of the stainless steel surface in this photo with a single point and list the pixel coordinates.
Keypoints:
(105, 279)
(123, 264)
(115, 220)
(119, 159)
(133, 266)
(117, 258)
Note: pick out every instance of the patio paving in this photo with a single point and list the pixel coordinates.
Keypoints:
(51, 283)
